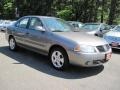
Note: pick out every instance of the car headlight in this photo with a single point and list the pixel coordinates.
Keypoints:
(77, 48)
(85, 49)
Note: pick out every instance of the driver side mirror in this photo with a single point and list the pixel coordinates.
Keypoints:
(40, 28)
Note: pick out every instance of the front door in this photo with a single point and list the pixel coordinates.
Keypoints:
(36, 38)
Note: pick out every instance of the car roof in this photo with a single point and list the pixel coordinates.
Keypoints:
(40, 16)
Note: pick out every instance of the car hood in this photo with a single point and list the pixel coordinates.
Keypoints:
(112, 36)
(92, 32)
(82, 38)
(113, 33)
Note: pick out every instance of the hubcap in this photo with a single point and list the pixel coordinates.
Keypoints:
(12, 43)
(57, 59)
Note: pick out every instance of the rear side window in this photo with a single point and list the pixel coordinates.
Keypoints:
(23, 23)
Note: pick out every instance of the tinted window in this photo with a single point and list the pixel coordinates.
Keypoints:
(34, 23)
(23, 23)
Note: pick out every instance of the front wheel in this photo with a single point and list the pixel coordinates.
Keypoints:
(59, 58)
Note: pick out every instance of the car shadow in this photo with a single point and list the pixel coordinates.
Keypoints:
(42, 64)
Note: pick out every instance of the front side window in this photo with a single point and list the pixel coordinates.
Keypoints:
(23, 23)
(34, 23)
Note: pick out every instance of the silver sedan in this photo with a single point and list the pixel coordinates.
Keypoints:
(113, 37)
(55, 38)
(97, 29)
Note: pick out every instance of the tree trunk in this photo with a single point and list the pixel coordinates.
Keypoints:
(112, 11)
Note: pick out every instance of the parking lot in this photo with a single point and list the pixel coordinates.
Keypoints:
(25, 70)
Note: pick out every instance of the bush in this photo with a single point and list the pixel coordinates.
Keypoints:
(65, 14)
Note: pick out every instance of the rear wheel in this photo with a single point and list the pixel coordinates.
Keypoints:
(12, 44)
(59, 58)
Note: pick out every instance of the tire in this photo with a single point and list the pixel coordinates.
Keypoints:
(59, 58)
(12, 44)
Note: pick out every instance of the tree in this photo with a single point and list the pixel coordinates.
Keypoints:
(77, 10)
(112, 11)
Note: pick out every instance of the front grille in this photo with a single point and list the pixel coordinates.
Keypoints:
(103, 48)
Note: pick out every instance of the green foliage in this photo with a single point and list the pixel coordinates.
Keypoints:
(8, 7)
(6, 10)
(81, 10)
(65, 14)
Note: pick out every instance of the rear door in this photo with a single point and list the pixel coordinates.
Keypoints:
(21, 30)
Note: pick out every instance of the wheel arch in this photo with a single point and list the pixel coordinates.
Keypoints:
(58, 46)
(10, 36)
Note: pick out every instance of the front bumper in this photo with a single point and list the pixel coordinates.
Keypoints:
(88, 59)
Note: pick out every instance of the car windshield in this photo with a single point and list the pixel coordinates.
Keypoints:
(117, 29)
(90, 27)
(57, 25)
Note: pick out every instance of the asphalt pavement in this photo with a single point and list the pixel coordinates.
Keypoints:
(26, 70)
